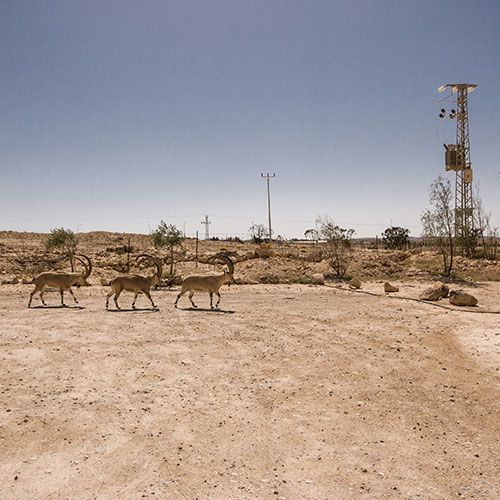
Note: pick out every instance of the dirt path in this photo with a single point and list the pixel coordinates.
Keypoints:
(289, 392)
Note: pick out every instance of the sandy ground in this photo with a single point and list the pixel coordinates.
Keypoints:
(287, 392)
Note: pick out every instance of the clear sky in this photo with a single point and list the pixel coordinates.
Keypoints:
(118, 113)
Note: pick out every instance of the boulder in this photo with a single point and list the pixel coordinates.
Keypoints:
(314, 256)
(444, 289)
(239, 258)
(264, 251)
(318, 279)
(461, 298)
(431, 293)
(269, 278)
(388, 288)
(355, 283)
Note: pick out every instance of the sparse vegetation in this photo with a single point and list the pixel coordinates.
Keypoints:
(23, 259)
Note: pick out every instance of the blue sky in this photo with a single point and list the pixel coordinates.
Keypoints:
(118, 113)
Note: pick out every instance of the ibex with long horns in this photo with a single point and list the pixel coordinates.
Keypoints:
(61, 281)
(136, 283)
(207, 283)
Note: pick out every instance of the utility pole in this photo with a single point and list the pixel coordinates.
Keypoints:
(206, 222)
(267, 177)
(196, 254)
(458, 159)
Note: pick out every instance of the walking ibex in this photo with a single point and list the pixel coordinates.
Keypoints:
(61, 281)
(207, 283)
(136, 283)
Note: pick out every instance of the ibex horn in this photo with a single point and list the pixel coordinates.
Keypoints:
(88, 266)
(156, 262)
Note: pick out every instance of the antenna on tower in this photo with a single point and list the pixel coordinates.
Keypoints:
(457, 158)
(206, 222)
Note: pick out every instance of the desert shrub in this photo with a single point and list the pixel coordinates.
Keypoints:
(338, 244)
(312, 234)
(396, 238)
(487, 233)
(258, 233)
(438, 222)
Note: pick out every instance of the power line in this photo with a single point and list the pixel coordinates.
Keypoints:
(106, 219)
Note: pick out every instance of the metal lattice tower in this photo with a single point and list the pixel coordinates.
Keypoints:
(206, 222)
(458, 159)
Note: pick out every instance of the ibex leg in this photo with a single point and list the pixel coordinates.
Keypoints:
(182, 292)
(117, 294)
(108, 296)
(42, 291)
(191, 293)
(73, 295)
(133, 302)
(31, 295)
(148, 295)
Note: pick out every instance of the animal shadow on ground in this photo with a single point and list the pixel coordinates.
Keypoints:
(206, 309)
(137, 309)
(56, 307)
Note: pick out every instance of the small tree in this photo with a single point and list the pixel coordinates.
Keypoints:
(65, 240)
(487, 234)
(258, 233)
(338, 244)
(438, 222)
(169, 236)
(311, 234)
(468, 241)
(396, 238)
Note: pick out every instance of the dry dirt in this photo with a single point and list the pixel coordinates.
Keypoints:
(287, 392)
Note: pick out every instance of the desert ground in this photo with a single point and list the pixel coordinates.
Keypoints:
(288, 391)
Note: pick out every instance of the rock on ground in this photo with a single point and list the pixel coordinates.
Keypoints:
(355, 283)
(432, 294)
(390, 288)
(461, 298)
(318, 279)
